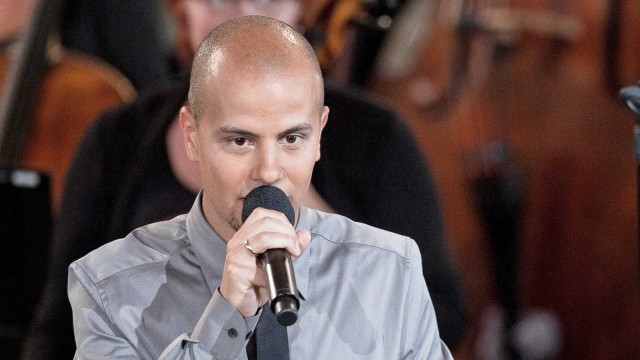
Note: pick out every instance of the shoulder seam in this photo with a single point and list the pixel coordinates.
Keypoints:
(407, 245)
(145, 263)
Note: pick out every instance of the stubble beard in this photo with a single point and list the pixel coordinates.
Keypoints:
(235, 223)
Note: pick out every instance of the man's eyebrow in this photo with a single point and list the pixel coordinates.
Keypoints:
(302, 127)
(232, 130)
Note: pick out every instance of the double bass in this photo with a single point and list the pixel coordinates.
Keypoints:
(516, 109)
(536, 104)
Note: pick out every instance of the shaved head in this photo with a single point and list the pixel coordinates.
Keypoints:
(255, 115)
(250, 47)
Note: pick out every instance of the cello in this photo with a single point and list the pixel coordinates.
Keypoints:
(49, 96)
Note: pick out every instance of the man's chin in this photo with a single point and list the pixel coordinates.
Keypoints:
(235, 223)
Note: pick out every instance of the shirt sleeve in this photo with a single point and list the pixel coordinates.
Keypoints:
(98, 338)
(422, 336)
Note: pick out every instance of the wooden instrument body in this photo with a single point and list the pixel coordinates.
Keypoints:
(74, 90)
(572, 139)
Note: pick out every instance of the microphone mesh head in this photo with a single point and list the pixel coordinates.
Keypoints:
(268, 197)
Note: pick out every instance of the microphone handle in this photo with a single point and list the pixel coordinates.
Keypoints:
(281, 283)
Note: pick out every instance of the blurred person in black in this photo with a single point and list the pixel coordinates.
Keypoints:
(132, 169)
(130, 35)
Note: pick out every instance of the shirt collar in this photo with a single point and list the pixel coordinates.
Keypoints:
(301, 264)
(209, 248)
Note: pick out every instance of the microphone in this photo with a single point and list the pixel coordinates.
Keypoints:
(281, 281)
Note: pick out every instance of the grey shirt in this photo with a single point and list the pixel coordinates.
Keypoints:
(154, 294)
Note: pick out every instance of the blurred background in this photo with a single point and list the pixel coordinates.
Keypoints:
(515, 105)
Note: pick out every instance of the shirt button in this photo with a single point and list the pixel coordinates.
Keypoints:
(232, 333)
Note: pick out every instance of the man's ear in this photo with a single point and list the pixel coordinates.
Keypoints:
(323, 122)
(189, 132)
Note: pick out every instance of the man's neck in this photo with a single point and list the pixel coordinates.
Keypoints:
(220, 226)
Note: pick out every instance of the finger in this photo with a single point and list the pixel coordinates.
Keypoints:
(250, 249)
(275, 240)
(237, 280)
(259, 278)
(241, 252)
(262, 295)
(243, 284)
(263, 224)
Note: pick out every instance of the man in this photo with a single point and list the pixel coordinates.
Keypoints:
(132, 169)
(191, 287)
(128, 35)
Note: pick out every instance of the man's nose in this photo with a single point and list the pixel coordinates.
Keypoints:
(267, 169)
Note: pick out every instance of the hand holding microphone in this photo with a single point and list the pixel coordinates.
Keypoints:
(267, 234)
(281, 281)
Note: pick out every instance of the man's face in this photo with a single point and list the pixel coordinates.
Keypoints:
(204, 15)
(254, 132)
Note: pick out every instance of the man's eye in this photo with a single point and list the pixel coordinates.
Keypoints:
(240, 141)
(292, 139)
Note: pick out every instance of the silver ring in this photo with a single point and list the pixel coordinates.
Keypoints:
(248, 246)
